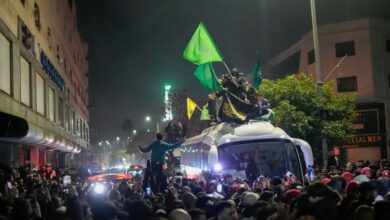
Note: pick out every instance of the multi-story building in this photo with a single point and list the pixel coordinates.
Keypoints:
(356, 56)
(43, 83)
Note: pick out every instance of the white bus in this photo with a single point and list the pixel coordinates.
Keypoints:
(245, 151)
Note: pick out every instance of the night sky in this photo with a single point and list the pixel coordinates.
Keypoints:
(135, 46)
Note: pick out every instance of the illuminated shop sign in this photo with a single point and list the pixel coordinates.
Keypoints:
(366, 140)
(50, 70)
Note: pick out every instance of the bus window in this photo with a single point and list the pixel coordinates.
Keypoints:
(302, 158)
(255, 158)
(195, 155)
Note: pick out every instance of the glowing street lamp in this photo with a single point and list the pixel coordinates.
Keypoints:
(147, 118)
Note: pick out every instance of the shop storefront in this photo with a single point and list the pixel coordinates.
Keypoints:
(369, 141)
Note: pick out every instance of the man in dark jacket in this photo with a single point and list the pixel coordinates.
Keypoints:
(333, 161)
(158, 148)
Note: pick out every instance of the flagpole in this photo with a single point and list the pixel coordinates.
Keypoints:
(227, 68)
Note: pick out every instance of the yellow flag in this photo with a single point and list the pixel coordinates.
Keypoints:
(191, 105)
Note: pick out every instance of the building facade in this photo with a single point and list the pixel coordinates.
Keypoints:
(44, 114)
(356, 56)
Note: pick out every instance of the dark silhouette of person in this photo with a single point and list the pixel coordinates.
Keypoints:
(158, 149)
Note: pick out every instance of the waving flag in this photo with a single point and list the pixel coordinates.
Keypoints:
(204, 116)
(206, 76)
(257, 74)
(201, 48)
(191, 105)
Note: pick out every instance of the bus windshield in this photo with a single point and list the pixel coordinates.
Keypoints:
(255, 158)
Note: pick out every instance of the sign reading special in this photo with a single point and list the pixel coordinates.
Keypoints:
(368, 140)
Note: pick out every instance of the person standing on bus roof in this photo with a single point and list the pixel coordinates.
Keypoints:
(261, 108)
(158, 148)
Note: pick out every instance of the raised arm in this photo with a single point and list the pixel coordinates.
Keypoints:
(145, 150)
(172, 146)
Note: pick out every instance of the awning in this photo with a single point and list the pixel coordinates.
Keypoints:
(12, 126)
(17, 130)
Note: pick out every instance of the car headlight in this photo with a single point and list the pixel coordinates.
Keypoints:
(99, 188)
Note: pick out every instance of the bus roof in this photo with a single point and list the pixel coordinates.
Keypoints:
(222, 133)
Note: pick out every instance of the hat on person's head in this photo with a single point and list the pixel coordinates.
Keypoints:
(361, 179)
(291, 194)
(250, 198)
(326, 180)
(234, 71)
(235, 188)
(352, 186)
(385, 173)
(365, 170)
(347, 176)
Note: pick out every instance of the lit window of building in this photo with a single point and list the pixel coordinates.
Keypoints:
(51, 104)
(40, 93)
(25, 77)
(5, 64)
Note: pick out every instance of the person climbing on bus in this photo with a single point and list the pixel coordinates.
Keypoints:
(158, 148)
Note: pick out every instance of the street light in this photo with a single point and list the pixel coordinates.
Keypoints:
(148, 119)
(134, 131)
(117, 138)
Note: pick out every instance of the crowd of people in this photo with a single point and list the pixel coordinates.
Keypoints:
(238, 101)
(358, 191)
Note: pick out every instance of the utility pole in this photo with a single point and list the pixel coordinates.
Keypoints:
(318, 71)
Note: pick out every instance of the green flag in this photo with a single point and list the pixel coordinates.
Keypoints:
(204, 116)
(201, 48)
(206, 76)
(272, 116)
(256, 73)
